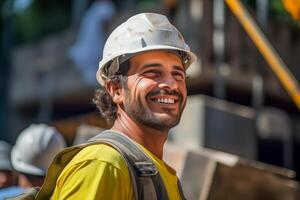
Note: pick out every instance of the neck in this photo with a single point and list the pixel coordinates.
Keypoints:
(151, 139)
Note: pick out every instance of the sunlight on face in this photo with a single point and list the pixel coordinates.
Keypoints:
(156, 89)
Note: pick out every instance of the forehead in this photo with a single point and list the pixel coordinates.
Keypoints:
(164, 59)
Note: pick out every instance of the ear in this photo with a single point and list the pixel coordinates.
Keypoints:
(115, 91)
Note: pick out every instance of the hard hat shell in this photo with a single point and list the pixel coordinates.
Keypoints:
(142, 32)
(35, 148)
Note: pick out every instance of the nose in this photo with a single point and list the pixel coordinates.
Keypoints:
(168, 83)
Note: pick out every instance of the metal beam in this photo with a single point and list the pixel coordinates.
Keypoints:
(266, 49)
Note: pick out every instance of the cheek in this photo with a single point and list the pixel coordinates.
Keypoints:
(139, 86)
(183, 91)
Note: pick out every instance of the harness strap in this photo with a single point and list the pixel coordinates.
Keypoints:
(147, 182)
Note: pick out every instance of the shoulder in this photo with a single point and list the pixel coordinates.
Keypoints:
(96, 171)
(99, 153)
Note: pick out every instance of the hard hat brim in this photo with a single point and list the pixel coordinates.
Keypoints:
(23, 167)
(103, 62)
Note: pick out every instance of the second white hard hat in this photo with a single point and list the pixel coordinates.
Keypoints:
(35, 148)
(142, 32)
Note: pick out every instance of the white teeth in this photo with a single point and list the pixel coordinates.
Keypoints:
(166, 101)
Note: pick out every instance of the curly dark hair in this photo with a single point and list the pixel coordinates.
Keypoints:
(103, 100)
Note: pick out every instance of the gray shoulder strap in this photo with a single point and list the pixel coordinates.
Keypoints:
(147, 182)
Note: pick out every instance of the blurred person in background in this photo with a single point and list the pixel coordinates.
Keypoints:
(8, 177)
(87, 49)
(32, 154)
(7, 174)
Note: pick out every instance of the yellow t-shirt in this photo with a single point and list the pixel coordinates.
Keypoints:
(100, 172)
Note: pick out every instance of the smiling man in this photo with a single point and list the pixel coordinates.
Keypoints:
(142, 93)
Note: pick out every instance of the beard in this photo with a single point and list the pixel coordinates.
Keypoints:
(145, 116)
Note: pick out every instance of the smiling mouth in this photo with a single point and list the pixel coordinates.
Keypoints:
(164, 97)
(169, 101)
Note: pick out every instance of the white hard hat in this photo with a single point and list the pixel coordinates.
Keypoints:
(35, 148)
(142, 32)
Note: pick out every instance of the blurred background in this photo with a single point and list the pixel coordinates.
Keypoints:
(237, 103)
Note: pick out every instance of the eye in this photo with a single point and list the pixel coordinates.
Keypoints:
(151, 73)
(179, 76)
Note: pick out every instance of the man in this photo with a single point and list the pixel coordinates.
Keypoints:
(143, 93)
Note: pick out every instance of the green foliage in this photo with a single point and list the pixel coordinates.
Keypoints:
(39, 20)
(278, 12)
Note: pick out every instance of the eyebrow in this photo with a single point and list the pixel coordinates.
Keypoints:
(176, 67)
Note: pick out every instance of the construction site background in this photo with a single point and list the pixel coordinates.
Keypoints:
(236, 104)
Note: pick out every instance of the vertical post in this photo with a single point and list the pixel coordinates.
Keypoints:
(46, 96)
(218, 47)
(262, 12)
(257, 91)
(257, 81)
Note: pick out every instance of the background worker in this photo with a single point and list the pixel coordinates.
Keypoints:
(33, 152)
(7, 174)
(143, 93)
(31, 155)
